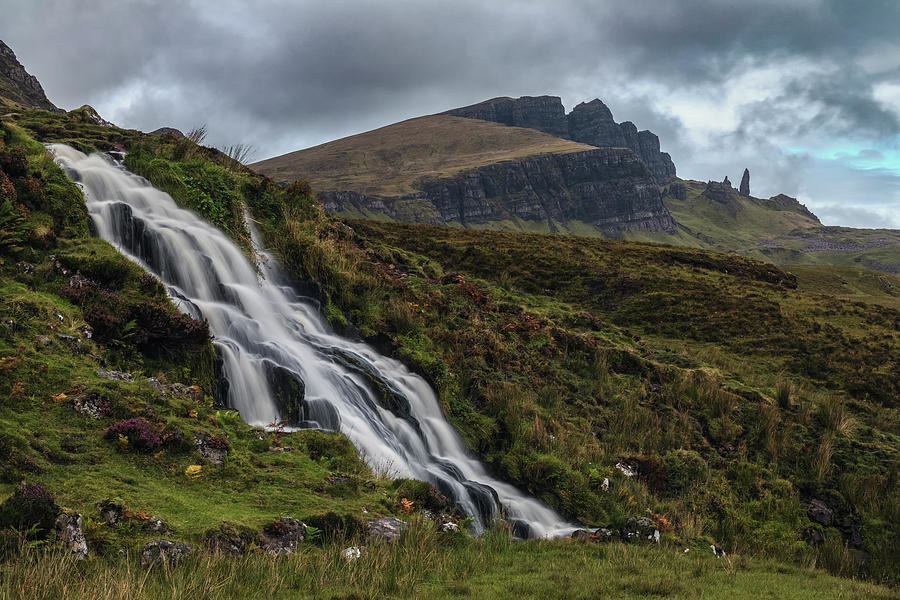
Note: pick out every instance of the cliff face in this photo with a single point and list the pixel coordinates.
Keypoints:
(610, 188)
(544, 113)
(18, 85)
(590, 123)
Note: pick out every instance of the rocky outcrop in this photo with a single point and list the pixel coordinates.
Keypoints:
(590, 123)
(744, 188)
(722, 192)
(18, 85)
(386, 529)
(544, 113)
(168, 131)
(785, 202)
(610, 188)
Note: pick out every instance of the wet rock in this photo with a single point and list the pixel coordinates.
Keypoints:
(114, 375)
(386, 529)
(159, 551)
(581, 534)
(70, 534)
(207, 449)
(282, 535)
(820, 513)
(111, 511)
(448, 526)
(640, 529)
(603, 534)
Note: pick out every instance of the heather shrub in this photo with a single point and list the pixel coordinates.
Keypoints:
(30, 506)
(14, 160)
(159, 327)
(136, 434)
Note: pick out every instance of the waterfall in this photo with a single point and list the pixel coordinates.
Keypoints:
(281, 360)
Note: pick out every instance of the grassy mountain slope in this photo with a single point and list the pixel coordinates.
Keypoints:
(388, 161)
(784, 235)
(737, 393)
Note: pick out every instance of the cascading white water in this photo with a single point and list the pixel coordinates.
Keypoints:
(273, 343)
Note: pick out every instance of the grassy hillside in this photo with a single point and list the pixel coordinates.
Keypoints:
(739, 391)
(388, 161)
(757, 228)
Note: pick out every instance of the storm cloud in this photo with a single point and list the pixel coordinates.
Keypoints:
(805, 93)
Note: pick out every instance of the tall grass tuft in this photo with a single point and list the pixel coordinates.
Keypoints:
(833, 412)
(784, 389)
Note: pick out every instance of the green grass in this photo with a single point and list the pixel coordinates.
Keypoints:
(424, 565)
(554, 356)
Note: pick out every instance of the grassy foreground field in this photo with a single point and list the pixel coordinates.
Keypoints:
(419, 565)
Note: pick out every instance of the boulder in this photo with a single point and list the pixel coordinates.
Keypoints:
(111, 511)
(282, 536)
(91, 404)
(230, 539)
(603, 534)
(352, 553)
(156, 524)
(640, 529)
(386, 529)
(819, 512)
(169, 552)
(69, 532)
(216, 456)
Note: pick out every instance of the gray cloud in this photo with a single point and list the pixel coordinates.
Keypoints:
(724, 85)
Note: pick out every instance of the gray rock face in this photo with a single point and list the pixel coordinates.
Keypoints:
(21, 86)
(115, 375)
(720, 192)
(589, 122)
(70, 534)
(592, 123)
(610, 188)
(744, 188)
(386, 529)
(819, 512)
(158, 551)
(544, 113)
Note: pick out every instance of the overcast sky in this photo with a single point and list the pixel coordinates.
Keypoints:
(806, 93)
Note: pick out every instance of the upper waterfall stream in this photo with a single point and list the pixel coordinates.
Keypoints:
(266, 333)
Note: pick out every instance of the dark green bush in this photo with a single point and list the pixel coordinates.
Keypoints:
(30, 508)
(683, 468)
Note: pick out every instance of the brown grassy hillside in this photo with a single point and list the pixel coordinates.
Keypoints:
(387, 161)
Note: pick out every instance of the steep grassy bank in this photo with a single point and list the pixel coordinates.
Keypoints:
(736, 394)
(104, 387)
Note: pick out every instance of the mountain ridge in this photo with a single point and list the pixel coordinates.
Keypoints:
(19, 86)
